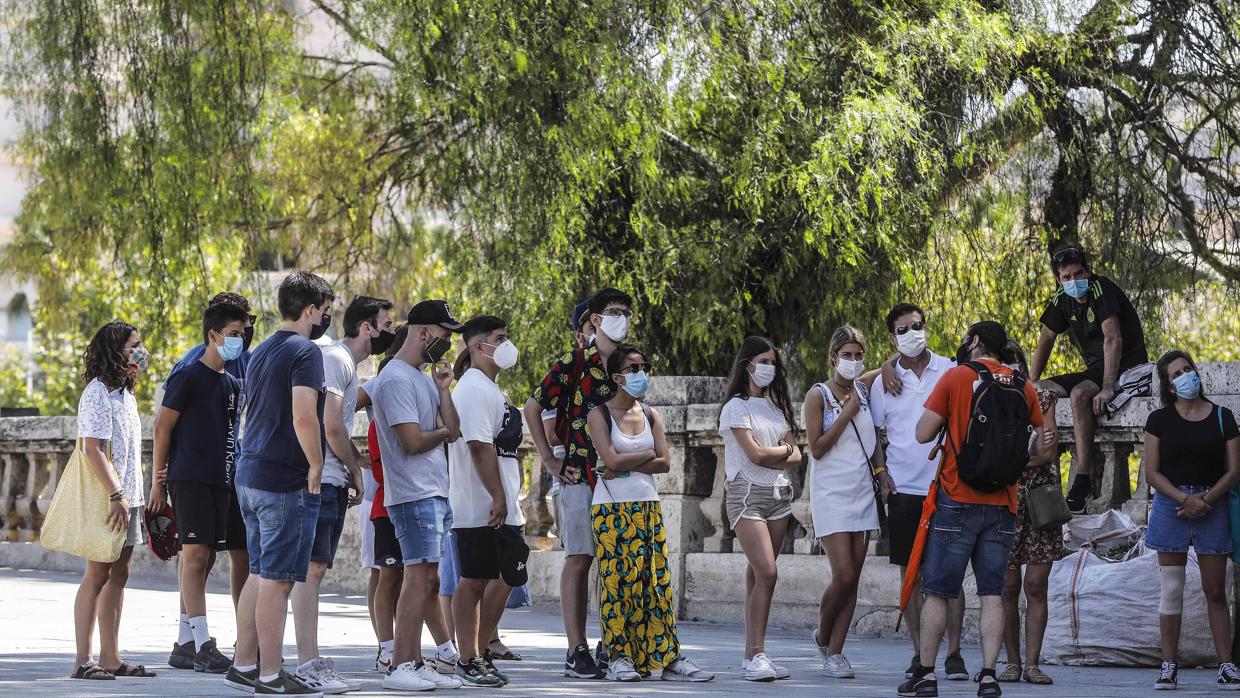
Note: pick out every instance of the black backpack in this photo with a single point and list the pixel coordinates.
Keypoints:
(996, 445)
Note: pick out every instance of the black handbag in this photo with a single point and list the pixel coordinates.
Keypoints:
(879, 502)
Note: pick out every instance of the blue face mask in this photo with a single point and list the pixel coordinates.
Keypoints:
(232, 348)
(1187, 385)
(1077, 289)
(635, 384)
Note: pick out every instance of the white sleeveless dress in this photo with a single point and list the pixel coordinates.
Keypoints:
(841, 488)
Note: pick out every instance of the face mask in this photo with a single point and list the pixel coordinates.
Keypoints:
(850, 370)
(911, 343)
(139, 358)
(320, 329)
(1077, 289)
(635, 384)
(763, 374)
(616, 328)
(1187, 385)
(232, 347)
(380, 344)
(247, 338)
(505, 355)
(436, 347)
(963, 353)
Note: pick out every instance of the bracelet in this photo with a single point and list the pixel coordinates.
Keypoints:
(790, 450)
(880, 470)
(116, 495)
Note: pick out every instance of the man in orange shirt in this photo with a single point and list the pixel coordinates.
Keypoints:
(969, 525)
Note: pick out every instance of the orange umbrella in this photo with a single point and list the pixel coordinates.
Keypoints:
(923, 528)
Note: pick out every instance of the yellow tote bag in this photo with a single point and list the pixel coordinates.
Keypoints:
(77, 520)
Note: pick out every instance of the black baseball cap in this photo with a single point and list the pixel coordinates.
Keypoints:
(434, 312)
(992, 335)
(579, 312)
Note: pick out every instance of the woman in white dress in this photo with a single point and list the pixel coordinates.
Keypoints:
(844, 462)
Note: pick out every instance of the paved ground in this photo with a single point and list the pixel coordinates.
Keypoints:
(36, 648)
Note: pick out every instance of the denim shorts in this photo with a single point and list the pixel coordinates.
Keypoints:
(449, 566)
(961, 533)
(1168, 533)
(420, 528)
(334, 504)
(279, 531)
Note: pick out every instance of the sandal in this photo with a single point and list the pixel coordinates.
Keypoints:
(1035, 676)
(507, 656)
(93, 672)
(1011, 674)
(133, 670)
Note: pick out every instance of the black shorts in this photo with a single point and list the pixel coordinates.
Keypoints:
(235, 539)
(387, 547)
(1069, 381)
(903, 517)
(493, 553)
(201, 511)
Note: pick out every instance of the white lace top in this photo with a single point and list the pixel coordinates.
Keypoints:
(113, 416)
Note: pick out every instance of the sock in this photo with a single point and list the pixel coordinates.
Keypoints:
(245, 668)
(185, 634)
(268, 678)
(922, 671)
(446, 650)
(387, 645)
(198, 625)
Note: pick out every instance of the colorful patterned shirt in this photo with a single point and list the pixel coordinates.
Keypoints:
(593, 389)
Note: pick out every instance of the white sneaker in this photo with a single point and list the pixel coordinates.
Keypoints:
(824, 650)
(758, 669)
(429, 673)
(621, 669)
(405, 678)
(321, 676)
(837, 667)
(685, 669)
(780, 672)
(445, 665)
(383, 662)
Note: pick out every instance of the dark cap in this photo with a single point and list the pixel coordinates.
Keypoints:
(579, 311)
(993, 337)
(434, 312)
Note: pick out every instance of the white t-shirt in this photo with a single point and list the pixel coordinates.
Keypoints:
(340, 379)
(768, 424)
(629, 486)
(113, 416)
(486, 417)
(907, 460)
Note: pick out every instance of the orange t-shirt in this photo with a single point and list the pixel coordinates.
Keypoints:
(951, 399)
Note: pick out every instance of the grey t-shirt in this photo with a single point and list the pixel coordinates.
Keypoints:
(339, 378)
(402, 394)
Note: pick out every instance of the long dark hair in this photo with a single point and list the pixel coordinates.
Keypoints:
(105, 357)
(1013, 354)
(777, 391)
(1164, 383)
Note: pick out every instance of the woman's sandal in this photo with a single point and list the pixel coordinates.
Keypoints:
(1011, 674)
(133, 670)
(507, 655)
(93, 672)
(1035, 676)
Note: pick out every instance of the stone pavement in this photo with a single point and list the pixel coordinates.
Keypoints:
(36, 650)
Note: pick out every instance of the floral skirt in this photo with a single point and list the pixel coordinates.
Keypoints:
(635, 604)
(1034, 546)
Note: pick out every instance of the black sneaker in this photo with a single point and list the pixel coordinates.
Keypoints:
(920, 687)
(912, 667)
(475, 673)
(601, 655)
(1228, 677)
(209, 660)
(579, 664)
(1078, 494)
(285, 685)
(954, 668)
(241, 680)
(989, 689)
(490, 665)
(1168, 679)
(182, 656)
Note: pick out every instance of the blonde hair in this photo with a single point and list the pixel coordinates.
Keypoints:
(846, 335)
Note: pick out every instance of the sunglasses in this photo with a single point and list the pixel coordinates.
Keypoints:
(1068, 254)
(636, 368)
(917, 326)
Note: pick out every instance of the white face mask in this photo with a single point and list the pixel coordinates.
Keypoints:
(616, 328)
(911, 343)
(505, 355)
(763, 374)
(850, 370)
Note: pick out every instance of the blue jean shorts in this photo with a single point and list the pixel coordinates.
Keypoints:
(962, 533)
(420, 528)
(1168, 533)
(279, 531)
(449, 565)
(334, 504)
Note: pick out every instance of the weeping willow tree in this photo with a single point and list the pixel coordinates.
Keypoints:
(762, 166)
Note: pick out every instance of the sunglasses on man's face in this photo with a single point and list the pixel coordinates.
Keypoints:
(917, 326)
(636, 368)
(1068, 254)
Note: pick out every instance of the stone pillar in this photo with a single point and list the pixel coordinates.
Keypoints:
(8, 509)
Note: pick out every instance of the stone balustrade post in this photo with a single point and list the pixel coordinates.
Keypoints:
(8, 508)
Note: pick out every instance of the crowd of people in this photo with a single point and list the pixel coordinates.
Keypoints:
(253, 455)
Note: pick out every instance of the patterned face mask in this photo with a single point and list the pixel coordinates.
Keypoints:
(139, 358)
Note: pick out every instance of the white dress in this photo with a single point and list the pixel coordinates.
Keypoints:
(841, 488)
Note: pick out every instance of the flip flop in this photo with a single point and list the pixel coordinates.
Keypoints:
(93, 672)
(133, 670)
(1035, 676)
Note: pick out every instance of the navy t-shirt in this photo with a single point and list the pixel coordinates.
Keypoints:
(271, 457)
(204, 438)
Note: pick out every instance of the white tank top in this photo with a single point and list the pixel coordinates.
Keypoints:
(629, 486)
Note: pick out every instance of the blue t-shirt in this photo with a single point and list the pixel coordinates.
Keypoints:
(204, 438)
(271, 457)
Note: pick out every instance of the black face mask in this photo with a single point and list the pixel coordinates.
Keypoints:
(380, 344)
(247, 338)
(963, 353)
(436, 347)
(320, 329)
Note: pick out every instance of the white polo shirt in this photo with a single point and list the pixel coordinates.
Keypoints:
(908, 461)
